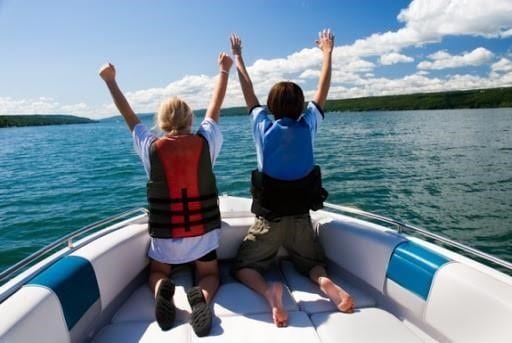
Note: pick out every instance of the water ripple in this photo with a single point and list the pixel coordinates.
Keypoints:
(446, 171)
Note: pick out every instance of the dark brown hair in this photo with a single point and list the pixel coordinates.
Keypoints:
(285, 99)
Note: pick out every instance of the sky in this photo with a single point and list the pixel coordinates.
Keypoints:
(51, 51)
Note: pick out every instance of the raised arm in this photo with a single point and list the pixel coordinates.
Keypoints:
(108, 74)
(326, 43)
(245, 81)
(213, 111)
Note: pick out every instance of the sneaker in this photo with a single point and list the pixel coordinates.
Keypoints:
(165, 311)
(201, 319)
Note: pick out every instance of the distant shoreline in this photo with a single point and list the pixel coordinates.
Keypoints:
(41, 120)
(477, 98)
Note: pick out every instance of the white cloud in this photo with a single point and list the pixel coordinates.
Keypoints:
(433, 19)
(418, 83)
(310, 74)
(428, 21)
(506, 34)
(353, 74)
(194, 89)
(504, 65)
(443, 60)
(394, 58)
(41, 105)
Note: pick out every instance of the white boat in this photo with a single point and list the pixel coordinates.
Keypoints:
(408, 285)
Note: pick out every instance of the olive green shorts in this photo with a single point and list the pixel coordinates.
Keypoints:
(264, 238)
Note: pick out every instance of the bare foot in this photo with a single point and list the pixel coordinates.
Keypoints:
(274, 296)
(338, 296)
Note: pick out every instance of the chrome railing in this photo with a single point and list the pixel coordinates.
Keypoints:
(403, 228)
(69, 241)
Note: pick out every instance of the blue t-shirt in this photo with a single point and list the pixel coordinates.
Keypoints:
(284, 147)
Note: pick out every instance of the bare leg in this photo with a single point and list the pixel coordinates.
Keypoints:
(200, 296)
(272, 292)
(208, 278)
(163, 291)
(157, 272)
(338, 295)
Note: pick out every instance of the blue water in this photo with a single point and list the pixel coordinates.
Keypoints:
(447, 171)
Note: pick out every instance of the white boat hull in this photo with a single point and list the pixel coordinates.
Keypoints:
(405, 290)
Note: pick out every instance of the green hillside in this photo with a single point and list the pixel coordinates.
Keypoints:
(41, 119)
(480, 98)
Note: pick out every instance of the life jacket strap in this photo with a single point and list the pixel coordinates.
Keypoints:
(190, 223)
(163, 200)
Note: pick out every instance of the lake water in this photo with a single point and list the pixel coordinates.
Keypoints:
(447, 171)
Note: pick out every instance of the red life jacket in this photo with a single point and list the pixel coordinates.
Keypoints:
(182, 192)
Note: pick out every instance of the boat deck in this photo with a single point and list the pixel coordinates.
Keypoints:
(404, 289)
(240, 314)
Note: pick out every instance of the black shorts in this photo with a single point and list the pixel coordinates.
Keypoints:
(212, 255)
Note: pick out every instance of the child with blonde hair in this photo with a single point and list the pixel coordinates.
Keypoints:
(184, 217)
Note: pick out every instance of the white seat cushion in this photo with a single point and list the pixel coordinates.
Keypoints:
(364, 325)
(235, 298)
(232, 233)
(260, 327)
(233, 329)
(33, 314)
(361, 248)
(126, 247)
(140, 306)
(309, 297)
(468, 305)
(143, 332)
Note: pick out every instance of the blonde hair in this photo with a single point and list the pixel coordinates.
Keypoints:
(173, 116)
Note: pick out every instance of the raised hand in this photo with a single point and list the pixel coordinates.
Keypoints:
(225, 62)
(243, 76)
(108, 72)
(325, 40)
(236, 44)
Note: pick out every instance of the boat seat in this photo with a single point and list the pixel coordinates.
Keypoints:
(463, 297)
(143, 332)
(65, 297)
(225, 329)
(237, 310)
(110, 253)
(348, 241)
(309, 297)
(140, 306)
(364, 325)
(232, 233)
(234, 298)
(23, 313)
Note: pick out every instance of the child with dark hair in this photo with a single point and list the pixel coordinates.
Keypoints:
(286, 185)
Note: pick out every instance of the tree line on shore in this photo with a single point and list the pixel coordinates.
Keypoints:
(41, 119)
(479, 98)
